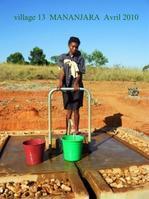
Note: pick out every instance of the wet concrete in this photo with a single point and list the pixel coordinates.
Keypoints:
(105, 152)
(13, 159)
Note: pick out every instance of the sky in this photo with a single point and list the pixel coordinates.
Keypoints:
(124, 42)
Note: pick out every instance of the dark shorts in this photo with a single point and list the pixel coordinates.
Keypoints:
(73, 100)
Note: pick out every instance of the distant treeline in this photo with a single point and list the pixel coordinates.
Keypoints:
(37, 57)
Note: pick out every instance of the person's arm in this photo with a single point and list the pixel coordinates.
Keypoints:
(61, 77)
(61, 74)
(76, 82)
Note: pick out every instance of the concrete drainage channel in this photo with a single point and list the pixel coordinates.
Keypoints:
(110, 169)
(104, 190)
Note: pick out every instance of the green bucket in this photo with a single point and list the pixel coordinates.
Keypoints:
(72, 147)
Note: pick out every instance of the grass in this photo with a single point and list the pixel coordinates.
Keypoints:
(29, 72)
(115, 74)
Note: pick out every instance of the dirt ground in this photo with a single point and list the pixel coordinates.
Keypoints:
(23, 106)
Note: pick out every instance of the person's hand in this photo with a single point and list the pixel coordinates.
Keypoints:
(76, 86)
(59, 86)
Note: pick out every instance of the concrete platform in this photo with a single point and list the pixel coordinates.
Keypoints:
(103, 152)
(13, 159)
(106, 152)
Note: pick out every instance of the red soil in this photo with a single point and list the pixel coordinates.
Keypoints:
(27, 110)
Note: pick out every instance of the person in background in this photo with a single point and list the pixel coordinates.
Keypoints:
(72, 68)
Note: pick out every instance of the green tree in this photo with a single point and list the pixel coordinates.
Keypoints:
(98, 58)
(84, 55)
(146, 67)
(37, 57)
(87, 57)
(16, 58)
(54, 59)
